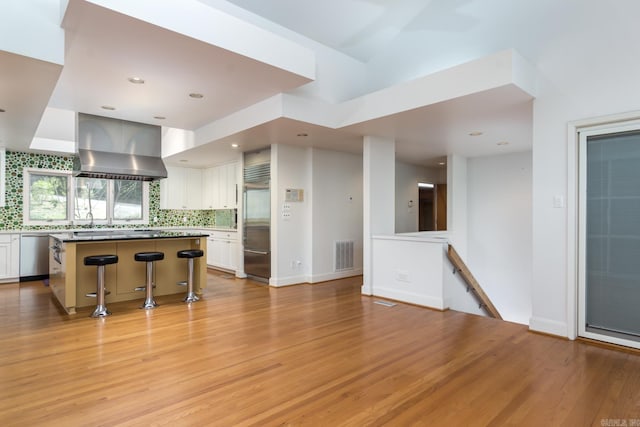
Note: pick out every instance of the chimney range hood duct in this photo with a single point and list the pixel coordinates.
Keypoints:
(117, 149)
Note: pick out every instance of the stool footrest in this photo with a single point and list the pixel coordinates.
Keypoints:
(95, 294)
(182, 283)
(142, 288)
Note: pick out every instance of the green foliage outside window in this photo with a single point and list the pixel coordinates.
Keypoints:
(47, 197)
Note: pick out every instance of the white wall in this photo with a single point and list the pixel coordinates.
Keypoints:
(409, 269)
(407, 179)
(586, 55)
(457, 203)
(499, 230)
(378, 171)
(336, 210)
(303, 242)
(588, 73)
(291, 236)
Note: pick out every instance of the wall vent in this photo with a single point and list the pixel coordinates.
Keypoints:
(343, 255)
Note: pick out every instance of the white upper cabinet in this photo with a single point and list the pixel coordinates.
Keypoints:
(208, 181)
(189, 188)
(220, 187)
(182, 189)
(231, 184)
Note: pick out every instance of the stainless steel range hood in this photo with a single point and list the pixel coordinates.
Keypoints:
(117, 149)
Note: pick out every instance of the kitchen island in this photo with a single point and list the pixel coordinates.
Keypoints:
(70, 280)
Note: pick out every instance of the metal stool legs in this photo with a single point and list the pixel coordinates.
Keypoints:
(149, 258)
(190, 254)
(100, 261)
(101, 308)
(149, 302)
(191, 295)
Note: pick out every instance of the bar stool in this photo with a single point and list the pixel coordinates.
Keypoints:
(190, 254)
(101, 261)
(149, 258)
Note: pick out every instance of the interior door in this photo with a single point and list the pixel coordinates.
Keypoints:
(609, 235)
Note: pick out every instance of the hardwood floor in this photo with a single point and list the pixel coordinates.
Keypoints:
(320, 355)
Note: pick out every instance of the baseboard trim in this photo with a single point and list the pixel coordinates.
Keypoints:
(549, 327)
(411, 298)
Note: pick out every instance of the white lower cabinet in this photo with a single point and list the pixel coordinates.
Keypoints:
(222, 248)
(9, 257)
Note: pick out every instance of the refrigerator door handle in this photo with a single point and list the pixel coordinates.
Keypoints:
(251, 251)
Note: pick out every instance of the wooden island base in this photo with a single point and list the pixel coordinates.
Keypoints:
(70, 280)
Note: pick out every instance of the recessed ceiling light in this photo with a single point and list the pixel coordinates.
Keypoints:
(302, 135)
(475, 133)
(2, 110)
(108, 107)
(159, 117)
(196, 95)
(183, 160)
(503, 143)
(136, 80)
(442, 163)
(234, 145)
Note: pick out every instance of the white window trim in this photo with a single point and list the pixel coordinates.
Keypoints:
(145, 208)
(26, 192)
(3, 176)
(71, 201)
(88, 221)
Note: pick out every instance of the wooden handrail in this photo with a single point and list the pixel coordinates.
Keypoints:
(471, 281)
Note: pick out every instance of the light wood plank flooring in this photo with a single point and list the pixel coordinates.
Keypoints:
(319, 355)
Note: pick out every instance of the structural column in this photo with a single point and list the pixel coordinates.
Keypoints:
(457, 203)
(379, 177)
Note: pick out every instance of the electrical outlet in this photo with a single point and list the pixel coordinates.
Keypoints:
(402, 276)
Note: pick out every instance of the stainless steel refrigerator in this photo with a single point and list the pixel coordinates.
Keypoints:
(257, 215)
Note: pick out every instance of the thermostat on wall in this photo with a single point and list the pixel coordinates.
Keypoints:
(294, 195)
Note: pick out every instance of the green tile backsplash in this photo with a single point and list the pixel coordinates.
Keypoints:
(11, 213)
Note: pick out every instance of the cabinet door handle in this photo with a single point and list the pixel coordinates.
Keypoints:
(256, 252)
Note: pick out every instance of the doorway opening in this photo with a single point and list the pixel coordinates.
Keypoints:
(432, 207)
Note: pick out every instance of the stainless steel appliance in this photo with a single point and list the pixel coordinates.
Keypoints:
(118, 149)
(257, 215)
(34, 256)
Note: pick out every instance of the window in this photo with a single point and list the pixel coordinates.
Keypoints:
(56, 197)
(128, 199)
(46, 196)
(90, 199)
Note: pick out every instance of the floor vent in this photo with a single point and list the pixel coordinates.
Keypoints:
(344, 255)
(384, 303)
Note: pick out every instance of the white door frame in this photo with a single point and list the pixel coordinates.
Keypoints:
(577, 133)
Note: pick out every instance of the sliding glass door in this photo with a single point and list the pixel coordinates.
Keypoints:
(609, 234)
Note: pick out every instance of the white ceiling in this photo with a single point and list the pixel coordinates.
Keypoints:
(359, 28)
(104, 48)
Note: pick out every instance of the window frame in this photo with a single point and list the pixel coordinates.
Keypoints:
(26, 193)
(145, 206)
(71, 186)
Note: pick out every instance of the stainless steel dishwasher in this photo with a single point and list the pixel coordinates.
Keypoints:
(34, 256)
